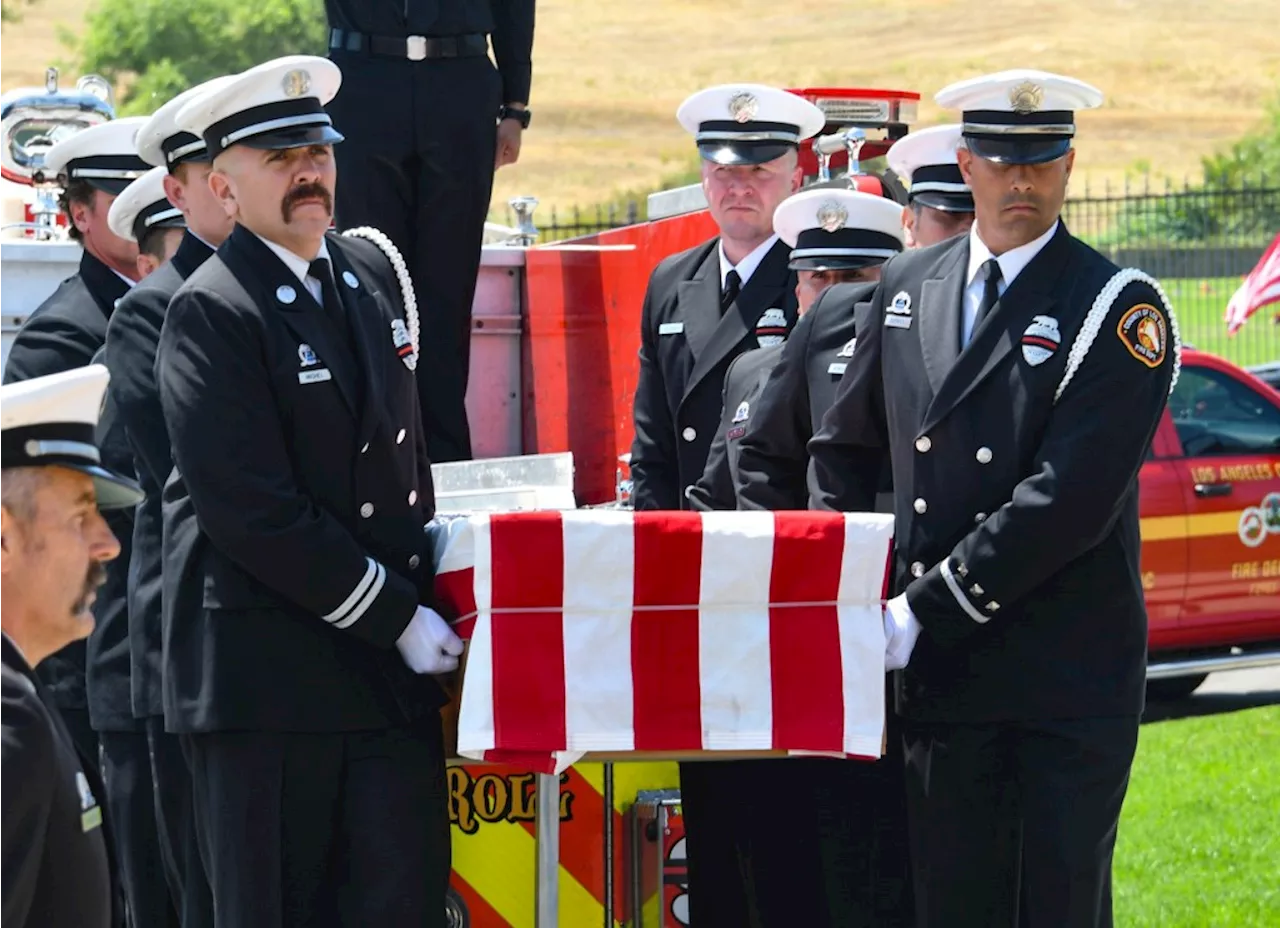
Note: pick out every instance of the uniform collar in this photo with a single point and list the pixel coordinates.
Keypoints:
(301, 267)
(1012, 261)
(747, 266)
(12, 645)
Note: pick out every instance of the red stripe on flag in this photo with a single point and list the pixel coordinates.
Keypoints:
(456, 598)
(528, 647)
(664, 643)
(804, 641)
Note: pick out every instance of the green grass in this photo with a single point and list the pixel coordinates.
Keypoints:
(1200, 834)
(1201, 304)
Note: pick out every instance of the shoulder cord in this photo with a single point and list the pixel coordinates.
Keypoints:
(402, 275)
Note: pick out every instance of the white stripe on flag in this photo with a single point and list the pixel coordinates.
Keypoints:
(475, 711)
(733, 631)
(599, 552)
(866, 551)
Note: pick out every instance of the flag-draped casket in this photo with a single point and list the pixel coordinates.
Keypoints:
(672, 634)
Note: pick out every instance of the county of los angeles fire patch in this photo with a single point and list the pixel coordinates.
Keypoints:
(1144, 331)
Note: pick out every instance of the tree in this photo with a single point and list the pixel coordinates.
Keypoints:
(9, 12)
(152, 50)
(1257, 154)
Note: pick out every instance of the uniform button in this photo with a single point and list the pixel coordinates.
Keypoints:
(984, 455)
(689, 434)
(399, 436)
(979, 517)
(365, 449)
(917, 569)
(414, 562)
(366, 510)
(920, 506)
(413, 497)
(923, 444)
(993, 606)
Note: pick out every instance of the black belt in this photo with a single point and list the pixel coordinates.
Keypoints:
(412, 47)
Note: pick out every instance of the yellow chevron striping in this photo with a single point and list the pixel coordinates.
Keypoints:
(499, 862)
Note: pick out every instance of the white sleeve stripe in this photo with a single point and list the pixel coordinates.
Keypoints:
(367, 601)
(954, 586)
(350, 602)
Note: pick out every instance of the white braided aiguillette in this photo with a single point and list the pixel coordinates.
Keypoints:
(402, 275)
(1097, 315)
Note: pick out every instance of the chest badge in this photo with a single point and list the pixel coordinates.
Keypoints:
(90, 812)
(742, 412)
(771, 329)
(898, 312)
(306, 356)
(847, 350)
(1041, 340)
(403, 343)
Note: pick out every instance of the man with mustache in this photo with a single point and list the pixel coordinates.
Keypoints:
(302, 682)
(133, 335)
(54, 543)
(703, 308)
(1003, 373)
(65, 332)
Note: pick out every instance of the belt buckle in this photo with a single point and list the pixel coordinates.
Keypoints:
(417, 47)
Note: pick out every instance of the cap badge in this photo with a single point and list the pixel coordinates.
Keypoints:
(1026, 97)
(296, 83)
(743, 106)
(832, 216)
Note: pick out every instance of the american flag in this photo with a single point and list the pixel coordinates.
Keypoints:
(674, 633)
(1261, 288)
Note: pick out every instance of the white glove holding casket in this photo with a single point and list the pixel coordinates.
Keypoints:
(428, 644)
(901, 629)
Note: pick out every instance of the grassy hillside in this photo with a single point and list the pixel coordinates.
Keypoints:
(1182, 77)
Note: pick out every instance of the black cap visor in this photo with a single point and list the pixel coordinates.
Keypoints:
(300, 137)
(735, 153)
(941, 200)
(834, 263)
(1019, 149)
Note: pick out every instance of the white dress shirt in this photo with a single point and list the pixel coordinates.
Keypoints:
(747, 266)
(1011, 264)
(301, 266)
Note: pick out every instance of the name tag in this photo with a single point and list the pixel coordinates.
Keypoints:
(837, 367)
(671, 328)
(898, 322)
(317, 376)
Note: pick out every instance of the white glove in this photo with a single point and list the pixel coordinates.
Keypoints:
(901, 629)
(428, 644)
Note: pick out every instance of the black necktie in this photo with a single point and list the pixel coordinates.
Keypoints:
(732, 284)
(990, 293)
(319, 269)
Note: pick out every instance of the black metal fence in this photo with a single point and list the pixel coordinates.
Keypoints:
(1199, 240)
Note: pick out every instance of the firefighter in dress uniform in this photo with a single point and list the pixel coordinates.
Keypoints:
(302, 682)
(57, 862)
(826, 846)
(419, 161)
(65, 332)
(133, 334)
(773, 459)
(703, 308)
(1007, 374)
(835, 236)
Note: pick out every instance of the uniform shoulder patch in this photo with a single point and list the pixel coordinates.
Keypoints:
(1145, 333)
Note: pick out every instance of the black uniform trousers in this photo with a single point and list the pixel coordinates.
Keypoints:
(176, 824)
(417, 163)
(1060, 784)
(281, 812)
(126, 772)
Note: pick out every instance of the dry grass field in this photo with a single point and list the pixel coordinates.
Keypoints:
(1183, 78)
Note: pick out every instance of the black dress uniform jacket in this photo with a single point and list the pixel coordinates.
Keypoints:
(63, 333)
(57, 862)
(773, 457)
(305, 470)
(133, 335)
(743, 383)
(686, 346)
(1017, 517)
